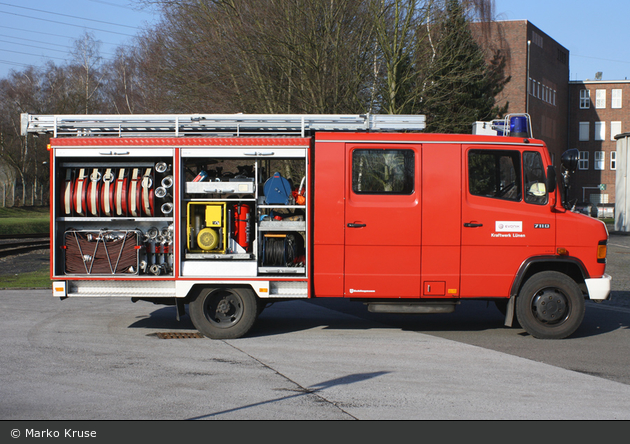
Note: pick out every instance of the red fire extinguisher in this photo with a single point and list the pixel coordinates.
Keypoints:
(242, 222)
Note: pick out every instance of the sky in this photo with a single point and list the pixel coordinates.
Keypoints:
(596, 34)
(35, 31)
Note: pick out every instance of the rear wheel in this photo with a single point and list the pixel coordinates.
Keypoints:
(224, 313)
(550, 305)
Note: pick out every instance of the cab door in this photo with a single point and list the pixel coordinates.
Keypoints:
(506, 217)
(382, 221)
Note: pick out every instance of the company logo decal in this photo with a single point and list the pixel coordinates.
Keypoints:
(352, 290)
(508, 227)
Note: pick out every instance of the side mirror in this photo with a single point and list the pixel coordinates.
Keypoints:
(570, 159)
(551, 179)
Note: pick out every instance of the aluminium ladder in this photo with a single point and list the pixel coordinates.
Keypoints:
(88, 125)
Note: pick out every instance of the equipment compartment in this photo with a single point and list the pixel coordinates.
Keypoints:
(138, 189)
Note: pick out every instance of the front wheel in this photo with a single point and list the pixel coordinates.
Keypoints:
(224, 313)
(550, 305)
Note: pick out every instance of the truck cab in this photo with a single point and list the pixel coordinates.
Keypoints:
(417, 223)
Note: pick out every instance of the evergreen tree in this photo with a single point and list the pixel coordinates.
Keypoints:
(460, 87)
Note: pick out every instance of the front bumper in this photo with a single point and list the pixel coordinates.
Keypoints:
(599, 288)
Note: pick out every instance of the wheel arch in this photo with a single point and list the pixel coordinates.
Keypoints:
(198, 287)
(570, 266)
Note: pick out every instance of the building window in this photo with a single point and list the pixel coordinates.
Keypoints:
(600, 99)
(585, 99)
(537, 39)
(615, 129)
(613, 160)
(583, 162)
(616, 99)
(584, 131)
(562, 57)
(600, 130)
(600, 160)
(598, 199)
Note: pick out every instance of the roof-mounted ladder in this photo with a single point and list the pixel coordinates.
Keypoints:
(89, 125)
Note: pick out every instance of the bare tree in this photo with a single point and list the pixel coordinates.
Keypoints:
(87, 76)
(21, 92)
(266, 56)
(122, 83)
(400, 42)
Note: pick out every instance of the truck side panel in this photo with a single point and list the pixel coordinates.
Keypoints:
(383, 247)
(504, 224)
(328, 218)
(441, 219)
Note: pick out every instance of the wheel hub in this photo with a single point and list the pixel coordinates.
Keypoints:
(223, 307)
(550, 306)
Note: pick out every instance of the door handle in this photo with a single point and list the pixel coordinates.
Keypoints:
(472, 225)
(356, 225)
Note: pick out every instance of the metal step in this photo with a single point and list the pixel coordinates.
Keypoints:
(288, 289)
(130, 289)
(82, 125)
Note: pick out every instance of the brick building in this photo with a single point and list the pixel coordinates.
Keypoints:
(586, 115)
(539, 71)
(598, 111)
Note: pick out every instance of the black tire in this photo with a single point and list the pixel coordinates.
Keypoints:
(224, 313)
(550, 305)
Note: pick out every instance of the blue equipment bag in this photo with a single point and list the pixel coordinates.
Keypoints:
(277, 190)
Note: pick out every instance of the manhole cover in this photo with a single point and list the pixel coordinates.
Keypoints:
(176, 335)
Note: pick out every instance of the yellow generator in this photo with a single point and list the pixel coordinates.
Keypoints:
(207, 227)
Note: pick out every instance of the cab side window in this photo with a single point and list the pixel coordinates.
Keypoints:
(535, 178)
(377, 171)
(495, 174)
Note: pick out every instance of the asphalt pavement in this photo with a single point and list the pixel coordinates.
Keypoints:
(104, 359)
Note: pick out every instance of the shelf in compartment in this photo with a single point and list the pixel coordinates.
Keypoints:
(228, 187)
(219, 199)
(291, 207)
(282, 270)
(218, 256)
(282, 225)
(114, 219)
(107, 163)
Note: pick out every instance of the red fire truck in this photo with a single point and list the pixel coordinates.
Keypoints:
(227, 213)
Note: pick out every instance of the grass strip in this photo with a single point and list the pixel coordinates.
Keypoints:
(30, 279)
